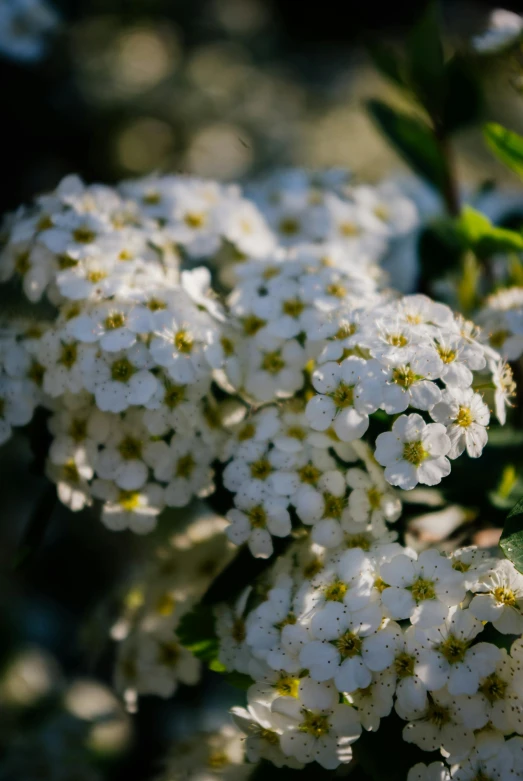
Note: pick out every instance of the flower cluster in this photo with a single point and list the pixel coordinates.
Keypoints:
(150, 658)
(337, 639)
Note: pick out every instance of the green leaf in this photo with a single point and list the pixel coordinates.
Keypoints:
(412, 139)
(426, 61)
(197, 632)
(477, 233)
(463, 98)
(511, 542)
(506, 145)
(388, 63)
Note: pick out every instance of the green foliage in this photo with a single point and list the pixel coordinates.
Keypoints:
(478, 234)
(196, 631)
(412, 139)
(511, 542)
(426, 64)
(506, 145)
(463, 96)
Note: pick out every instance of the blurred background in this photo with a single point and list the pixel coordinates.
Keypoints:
(216, 88)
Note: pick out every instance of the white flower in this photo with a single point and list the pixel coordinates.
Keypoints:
(162, 662)
(422, 589)
(504, 29)
(70, 467)
(258, 516)
(134, 510)
(505, 388)
(465, 416)
(449, 649)
(350, 646)
(436, 771)
(496, 768)
(263, 734)
(119, 380)
(440, 726)
(347, 394)
(374, 702)
(407, 382)
(414, 452)
(234, 652)
(317, 728)
(500, 598)
(369, 500)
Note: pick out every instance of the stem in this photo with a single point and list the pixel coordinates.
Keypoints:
(450, 190)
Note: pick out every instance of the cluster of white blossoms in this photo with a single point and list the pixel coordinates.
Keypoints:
(150, 658)
(147, 361)
(335, 640)
(181, 334)
(501, 318)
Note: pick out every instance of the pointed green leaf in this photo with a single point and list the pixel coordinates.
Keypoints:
(388, 62)
(196, 631)
(506, 145)
(477, 233)
(511, 542)
(426, 61)
(412, 139)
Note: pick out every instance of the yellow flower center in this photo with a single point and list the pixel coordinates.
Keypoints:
(289, 226)
(465, 417)
(122, 370)
(422, 590)
(129, 500)
(447, 354)
(288, 686)
(273, 362)
(505, 596)
(294, 307)
(404, 377)
(257, 517)
(155, 305)
(397, 340)
(333, 505)
(227, 346)
(336, 289)
(296, 432)
(357, 541)
(404, 665)
(261, 469)
(84, 235)
(309, 474)
(115, 320)
(460, 566)
(438, 715)
(336, 591)
(68, 355)
(374, 496)
(494, 688)
(185, 466)
(95, 276)
(130, 448)
(252, 324)
(453, 649)
(183, 342)
(174, 395)
(247, 432)
(414, 453)
(70, 472)
(345, 330)
(78, 429)
(195, 220)
(36, 373)
(348, 229)
(316, 724)
(348, 645)
(343, 396)
(238, 632)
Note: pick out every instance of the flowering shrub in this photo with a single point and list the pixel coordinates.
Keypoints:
(246, 354)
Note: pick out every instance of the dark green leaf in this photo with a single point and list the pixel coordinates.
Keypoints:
(463, 98)
(477, 233)
(412, 139)
(239, 680)
(426, 62)
(196, 631)
(511, 542)
(506, 145)
(388, 62)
